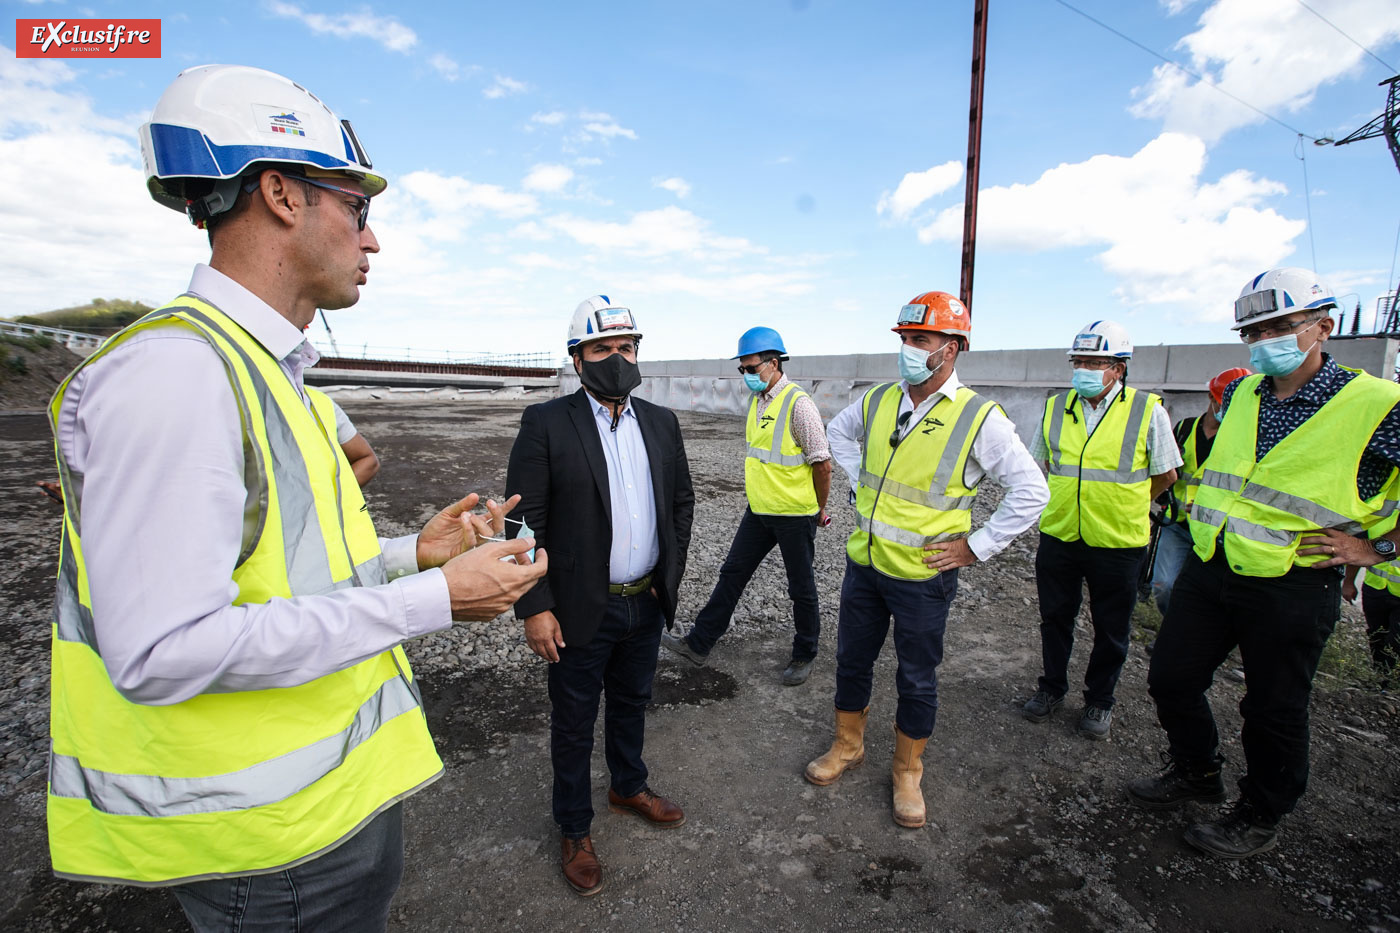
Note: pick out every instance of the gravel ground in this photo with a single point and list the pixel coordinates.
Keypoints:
(1028, 827)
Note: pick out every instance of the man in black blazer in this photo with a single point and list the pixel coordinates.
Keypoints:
(609, 497)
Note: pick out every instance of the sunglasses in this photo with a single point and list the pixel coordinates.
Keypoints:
(361, 201)
(752, 370)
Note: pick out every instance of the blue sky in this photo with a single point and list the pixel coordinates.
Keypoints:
(720, 165)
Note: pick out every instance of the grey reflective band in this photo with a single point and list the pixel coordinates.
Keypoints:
(1057, 424)
(1387, 508)
(1125, 474)
(1099, 476)
(1302, 508)
(872, 406)
(1245, 529)
(774, 454)
(1217, 480)
(926, 497)
(72, 619)
(1130, 440)
(260, 785)
(962, 429)
(1392, 576)
(886, 532)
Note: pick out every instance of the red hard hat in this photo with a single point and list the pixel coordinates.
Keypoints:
(1218, 384)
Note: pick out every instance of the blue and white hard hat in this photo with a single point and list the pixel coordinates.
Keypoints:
(214, 122)
(598, 317)
(1107, 339)
(757, 340)
(1278, 292)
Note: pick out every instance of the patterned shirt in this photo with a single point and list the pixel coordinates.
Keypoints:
(807, 430)
(1279, 418)
(1162, 452)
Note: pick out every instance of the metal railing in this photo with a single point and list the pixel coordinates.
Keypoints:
(71, 339)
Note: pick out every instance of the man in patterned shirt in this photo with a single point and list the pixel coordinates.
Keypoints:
(1274, 520)
(787, 475)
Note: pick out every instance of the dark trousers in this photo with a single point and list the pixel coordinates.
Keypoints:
(620, 662)
(1382, 627)
(1061, 570)
(920, 610)
(1280, 625)
(795, 537)
(346, 889)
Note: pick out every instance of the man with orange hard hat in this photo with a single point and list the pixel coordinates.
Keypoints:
(916, 451)
(1194, 437)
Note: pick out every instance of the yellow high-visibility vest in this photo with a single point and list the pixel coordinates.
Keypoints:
(1189, 473)
(1306, 481)
(238, 782)
(913, 493)
(1100, 489)
(777, 480)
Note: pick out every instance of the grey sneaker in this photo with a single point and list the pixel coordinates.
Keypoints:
(680, 646)
(1039, 707)
(1239, 834)
(1095, 723)
(797, 672)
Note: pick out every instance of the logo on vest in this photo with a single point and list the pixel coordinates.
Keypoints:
(765, 421)
(932, 423)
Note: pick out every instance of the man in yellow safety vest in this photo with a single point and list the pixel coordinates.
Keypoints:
(787, 475)
(1307, 457)
(916, 451)
(233, 713)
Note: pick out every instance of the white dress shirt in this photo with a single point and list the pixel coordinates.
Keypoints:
(996, 452)
(154, 427)
(635, 546)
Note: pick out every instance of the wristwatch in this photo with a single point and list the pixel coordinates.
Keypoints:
(1384, 547)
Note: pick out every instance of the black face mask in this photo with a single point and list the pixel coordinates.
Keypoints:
(611, 378)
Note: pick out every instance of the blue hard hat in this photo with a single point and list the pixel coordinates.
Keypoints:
(758, 339)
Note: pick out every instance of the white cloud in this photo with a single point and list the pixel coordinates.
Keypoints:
(1173, 7)
(677, 186)
(548, 178)
(503, 87)
(588, 160)
(670, 230)
(446, 66)
(917, 187)
(1165, 235)
(1274, 55)
(363, 24)
(444, 196)
(601, 125)
(552, 118)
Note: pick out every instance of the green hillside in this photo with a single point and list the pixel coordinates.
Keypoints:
(99, 316)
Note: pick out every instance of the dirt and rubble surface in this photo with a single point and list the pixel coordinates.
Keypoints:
(1028, 829)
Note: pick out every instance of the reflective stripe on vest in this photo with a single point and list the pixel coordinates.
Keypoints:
(1189, 473)
(153, 795)
(913, 494)
(1104, 505)
(777, 477)
(1241, 502)
(1384, 576)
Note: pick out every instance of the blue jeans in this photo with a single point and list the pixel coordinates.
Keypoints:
(795, 537)
(1061, 570)
(1173, 544)
(346, 889)
(619, 661)
(920, 610)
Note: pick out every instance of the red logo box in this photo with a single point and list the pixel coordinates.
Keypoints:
(87, 38)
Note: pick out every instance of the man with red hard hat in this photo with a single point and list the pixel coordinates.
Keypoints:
(1194, 437)
(916, 452)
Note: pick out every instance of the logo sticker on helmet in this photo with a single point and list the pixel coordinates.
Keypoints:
(279, 120)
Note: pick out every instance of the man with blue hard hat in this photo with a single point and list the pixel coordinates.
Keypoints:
(787, 474)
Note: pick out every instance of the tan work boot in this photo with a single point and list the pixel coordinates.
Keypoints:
(847, 749)
(905, 775)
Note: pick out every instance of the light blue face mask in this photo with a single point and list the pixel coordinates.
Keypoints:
(1088, 382)
(755, 382)
(1278, 356)
(913, 364)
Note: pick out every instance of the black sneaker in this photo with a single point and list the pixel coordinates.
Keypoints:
(1039, 707)
(680, 646)
(1240, 833)
(1177, 783)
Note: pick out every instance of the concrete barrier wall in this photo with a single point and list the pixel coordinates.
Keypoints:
(1020, 380)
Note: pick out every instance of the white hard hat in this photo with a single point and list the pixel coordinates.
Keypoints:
(1102, 338)
(215, 121)
(1278, 292)
(598, 317)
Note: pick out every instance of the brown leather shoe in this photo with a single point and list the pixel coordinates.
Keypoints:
(656, 810)
(581, 868)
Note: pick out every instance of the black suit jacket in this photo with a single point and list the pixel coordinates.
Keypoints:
(557, 466)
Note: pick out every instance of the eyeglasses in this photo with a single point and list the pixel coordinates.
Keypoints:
(1099, 364)
(1273, 329)
(752, 370)
(362, 201)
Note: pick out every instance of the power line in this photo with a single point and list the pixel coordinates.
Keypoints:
(1180, 67)
(1301, 153)
(1363, 48)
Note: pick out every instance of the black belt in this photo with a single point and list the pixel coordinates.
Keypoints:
(630, 589)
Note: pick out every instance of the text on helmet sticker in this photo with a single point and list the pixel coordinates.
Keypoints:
(615, 319)
(1091, 342)
(912, 314)
(279, 120)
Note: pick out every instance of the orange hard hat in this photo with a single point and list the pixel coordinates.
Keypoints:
(1218, 384)
(936, 311)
